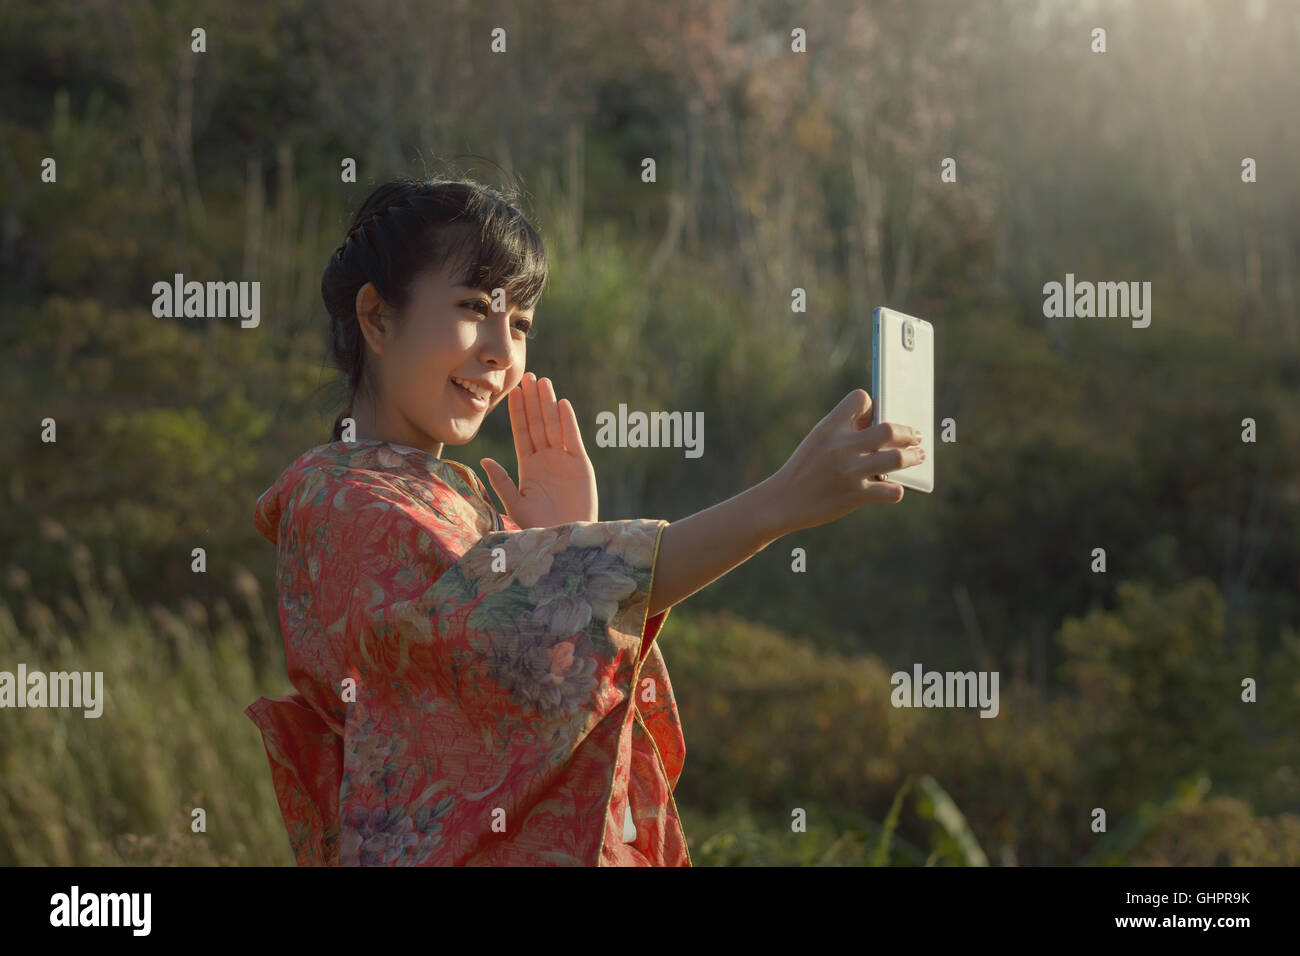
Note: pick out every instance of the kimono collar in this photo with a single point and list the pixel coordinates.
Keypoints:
(376, 454)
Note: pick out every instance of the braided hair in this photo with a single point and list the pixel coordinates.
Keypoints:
(408, 226)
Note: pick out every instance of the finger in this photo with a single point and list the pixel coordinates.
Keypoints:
(519, 422)
(533, 410)
(550, 416)
(853, 406)
(886, 434)
(892, 459)
(501, 484)
(863, 418)
(888, 491)
(572, 434)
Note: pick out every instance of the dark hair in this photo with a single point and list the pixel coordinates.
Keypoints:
(408, 226)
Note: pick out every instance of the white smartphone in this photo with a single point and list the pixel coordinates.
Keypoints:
(902, 386)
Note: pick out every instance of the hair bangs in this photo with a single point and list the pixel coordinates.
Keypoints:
(491, 247)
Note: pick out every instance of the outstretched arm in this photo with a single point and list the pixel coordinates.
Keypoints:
(829, 475)
(696, 551)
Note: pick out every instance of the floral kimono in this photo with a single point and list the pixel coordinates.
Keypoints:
(468, 693)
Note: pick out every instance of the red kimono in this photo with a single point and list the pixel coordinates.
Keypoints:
(468, 693)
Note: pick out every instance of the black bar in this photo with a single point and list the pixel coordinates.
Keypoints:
(252, 906)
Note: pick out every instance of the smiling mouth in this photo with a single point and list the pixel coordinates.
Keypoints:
(474, 400)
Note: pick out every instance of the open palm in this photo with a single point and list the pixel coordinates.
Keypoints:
(557, 483)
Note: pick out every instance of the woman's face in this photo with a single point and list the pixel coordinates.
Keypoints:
(446, 332)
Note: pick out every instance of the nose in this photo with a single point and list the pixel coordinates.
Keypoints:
(495, 346)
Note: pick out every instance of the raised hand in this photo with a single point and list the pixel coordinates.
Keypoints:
(557, 483)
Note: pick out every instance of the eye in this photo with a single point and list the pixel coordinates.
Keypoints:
(524, 325)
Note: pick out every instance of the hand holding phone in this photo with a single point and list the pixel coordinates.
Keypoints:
(829, 474)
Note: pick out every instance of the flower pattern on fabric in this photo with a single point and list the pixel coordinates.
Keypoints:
(467, 692)
(554, 676)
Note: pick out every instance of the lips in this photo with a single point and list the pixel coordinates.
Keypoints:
(479, 404)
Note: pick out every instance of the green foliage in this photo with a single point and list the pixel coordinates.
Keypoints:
(1160, 686)
(957, 839)
(1117, 844)
(881, 854)
(774, 724)
(1219, 831)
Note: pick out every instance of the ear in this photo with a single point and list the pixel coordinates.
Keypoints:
(370, 316)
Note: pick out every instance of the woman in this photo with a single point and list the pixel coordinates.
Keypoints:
(479, 688)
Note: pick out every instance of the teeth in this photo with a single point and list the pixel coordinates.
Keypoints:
(472, 388)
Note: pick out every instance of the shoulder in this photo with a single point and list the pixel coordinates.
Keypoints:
(334, 483)
(372, 490)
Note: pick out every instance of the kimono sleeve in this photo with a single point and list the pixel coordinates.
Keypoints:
(493, 677)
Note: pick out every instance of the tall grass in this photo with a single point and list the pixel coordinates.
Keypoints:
(122, 788)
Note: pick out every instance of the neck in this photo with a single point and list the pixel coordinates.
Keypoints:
(372, 427)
